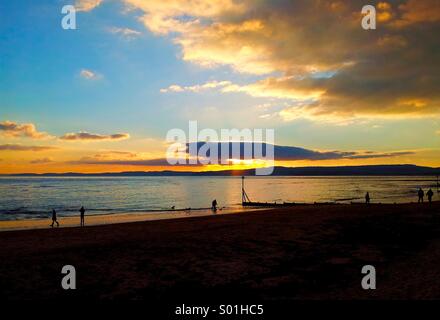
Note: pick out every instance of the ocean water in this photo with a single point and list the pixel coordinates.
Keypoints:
(34, 197)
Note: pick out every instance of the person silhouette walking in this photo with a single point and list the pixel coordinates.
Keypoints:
(367, 198)
(430, 194)
(54, 218)
(82, 211)
(421, 195)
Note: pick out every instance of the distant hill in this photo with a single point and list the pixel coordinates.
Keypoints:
(372, 170)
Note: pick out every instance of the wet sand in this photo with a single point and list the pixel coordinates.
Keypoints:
(298, 253)
(114, 218)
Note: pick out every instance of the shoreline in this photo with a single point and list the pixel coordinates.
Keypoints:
(153, 215)
(116, 218)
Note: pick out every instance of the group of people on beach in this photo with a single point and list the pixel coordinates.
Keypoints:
(420, 193)
(82, 212)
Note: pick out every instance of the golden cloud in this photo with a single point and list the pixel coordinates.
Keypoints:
(282, 88)
(417, 11)
(313, 52)
(87, 5)
(28, 130)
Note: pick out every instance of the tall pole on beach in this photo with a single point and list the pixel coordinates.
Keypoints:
(244, 196)
(242, 189)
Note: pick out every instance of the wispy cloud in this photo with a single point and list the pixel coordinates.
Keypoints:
(19, 147)
(122, 162)
(86, 136)
(374, 155)
(28, 130)
(197, 87)
(282, 88)
(126, 33)
(42, 161)
(111, 154)
(89, 74)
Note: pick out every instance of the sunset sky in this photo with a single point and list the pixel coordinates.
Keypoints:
(102, 97)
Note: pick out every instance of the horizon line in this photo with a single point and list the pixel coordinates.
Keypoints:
(217, 172)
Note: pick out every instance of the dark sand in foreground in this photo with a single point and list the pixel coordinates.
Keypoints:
(303, 252)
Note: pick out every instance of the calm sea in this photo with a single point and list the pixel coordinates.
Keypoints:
(34, 197)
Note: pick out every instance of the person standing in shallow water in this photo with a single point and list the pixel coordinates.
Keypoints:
(82, 211)
(214, 205)
(421, 194)
(430, 194)
(54, 218)
(367, 198)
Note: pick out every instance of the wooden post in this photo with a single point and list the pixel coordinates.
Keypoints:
(244, 196)
(242, 190)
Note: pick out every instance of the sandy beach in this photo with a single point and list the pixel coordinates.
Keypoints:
(298, 253)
